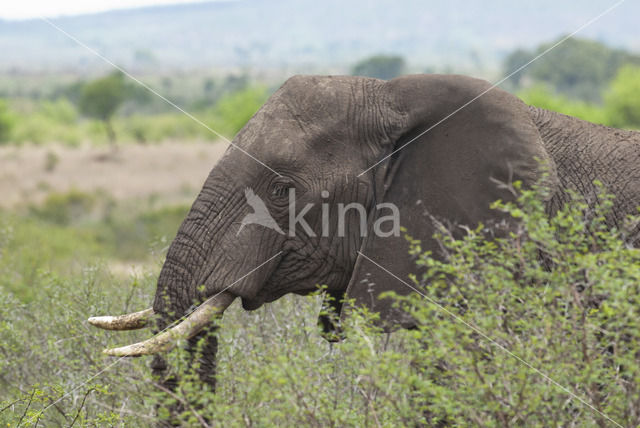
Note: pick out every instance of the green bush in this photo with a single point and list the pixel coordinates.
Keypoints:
(499, 323)
(72, 230)
(523, 329)
(60, 110)
(561, 294)
(232, 111)
(47, 349)
(64, 208)
(162, 127)
(132, 236)
(47, 122)
(6, 122)
(540, 96)
(623, 98)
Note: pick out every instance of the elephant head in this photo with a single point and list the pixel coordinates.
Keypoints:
(268, 220)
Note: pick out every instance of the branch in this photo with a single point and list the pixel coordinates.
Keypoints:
(81, 406)
(184, 402)
(27, 408)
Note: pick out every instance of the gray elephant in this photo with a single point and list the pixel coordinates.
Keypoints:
(362, 142)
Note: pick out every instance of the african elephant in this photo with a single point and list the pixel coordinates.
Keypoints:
(434, 146)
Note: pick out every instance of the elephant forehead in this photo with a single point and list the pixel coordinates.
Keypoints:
(313, 114)
(312, 106)
(277, 130)
(322, 98)
(319, 89)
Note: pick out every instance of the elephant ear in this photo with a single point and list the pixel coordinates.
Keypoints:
(449, 174)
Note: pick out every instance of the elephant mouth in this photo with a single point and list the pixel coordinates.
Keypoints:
(251, 304)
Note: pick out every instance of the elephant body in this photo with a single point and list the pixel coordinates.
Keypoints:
(583, 152)
(434, 146)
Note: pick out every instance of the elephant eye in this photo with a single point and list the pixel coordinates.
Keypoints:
(280, 190)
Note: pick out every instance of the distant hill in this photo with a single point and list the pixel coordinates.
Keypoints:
(311, 36)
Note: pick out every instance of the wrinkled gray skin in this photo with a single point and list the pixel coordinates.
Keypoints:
(320, 133)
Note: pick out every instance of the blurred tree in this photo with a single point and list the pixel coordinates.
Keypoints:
(72, 92)
(144, 58)
(235, 83)
(60, 110)
(578, 68)
(167, 83)
(515, 60)
(209, 85)
(541, 96)
(6, 122)
(622, 100)
(101, 98)
(380, 66)
(234, 110)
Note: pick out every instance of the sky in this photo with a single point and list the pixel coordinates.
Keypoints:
(25, 9)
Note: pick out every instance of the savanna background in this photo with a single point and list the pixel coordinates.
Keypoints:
(97, 172)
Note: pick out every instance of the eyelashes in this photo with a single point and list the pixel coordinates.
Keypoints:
(280, 190)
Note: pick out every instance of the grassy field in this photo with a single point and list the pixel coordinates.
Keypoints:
(170, 172)
(56, 269)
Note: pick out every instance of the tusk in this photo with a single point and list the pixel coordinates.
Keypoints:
(132, 321)
(187, 328)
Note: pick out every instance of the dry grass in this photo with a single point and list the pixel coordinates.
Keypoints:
(172, 171)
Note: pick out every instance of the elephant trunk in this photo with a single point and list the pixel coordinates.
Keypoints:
(188, 276)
